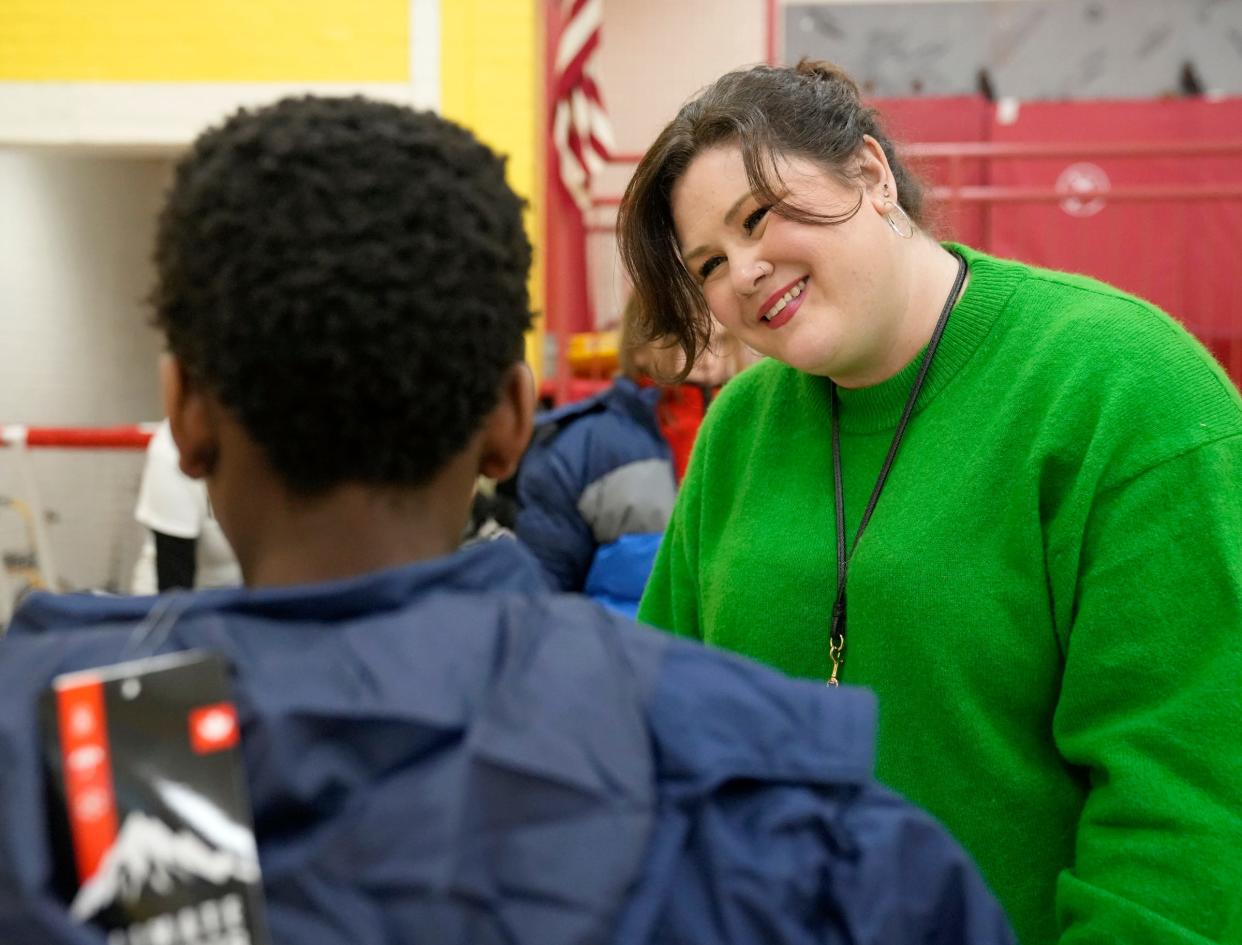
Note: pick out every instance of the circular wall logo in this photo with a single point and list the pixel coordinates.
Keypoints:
(1083, 186)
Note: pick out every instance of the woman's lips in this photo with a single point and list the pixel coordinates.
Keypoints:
(786, 301)
(785, 314)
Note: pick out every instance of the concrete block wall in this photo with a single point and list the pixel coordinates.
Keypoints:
(76, 348)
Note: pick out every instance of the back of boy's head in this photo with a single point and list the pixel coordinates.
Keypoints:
(348, 278)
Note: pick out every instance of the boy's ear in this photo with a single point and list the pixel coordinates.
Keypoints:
(507, 429)
(190, 417)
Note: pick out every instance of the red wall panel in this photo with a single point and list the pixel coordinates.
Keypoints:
(1180, 254)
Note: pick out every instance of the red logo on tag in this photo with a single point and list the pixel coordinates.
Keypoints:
(213, 728)
(88, 772)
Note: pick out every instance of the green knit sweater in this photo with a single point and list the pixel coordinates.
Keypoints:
(1048, 599)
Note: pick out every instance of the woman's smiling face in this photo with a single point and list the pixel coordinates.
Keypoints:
(828, 299)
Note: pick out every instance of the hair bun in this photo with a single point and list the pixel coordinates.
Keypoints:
(825, 71)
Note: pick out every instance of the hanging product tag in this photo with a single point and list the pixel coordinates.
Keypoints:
(151, 824)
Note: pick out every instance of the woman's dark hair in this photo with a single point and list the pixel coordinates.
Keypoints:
(812, 110)
(348, 277)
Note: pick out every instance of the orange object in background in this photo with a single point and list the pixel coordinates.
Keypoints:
(594, 354)
(594, 358)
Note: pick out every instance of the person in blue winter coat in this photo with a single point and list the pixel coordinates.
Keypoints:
(595, 489)
(437, 749)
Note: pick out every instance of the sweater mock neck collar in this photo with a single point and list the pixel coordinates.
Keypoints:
(876, 408)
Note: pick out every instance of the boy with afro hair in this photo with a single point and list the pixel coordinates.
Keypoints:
(437, 748)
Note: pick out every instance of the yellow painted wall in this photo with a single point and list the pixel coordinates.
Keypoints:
(205, 41)
(491, 70)
(490, 57)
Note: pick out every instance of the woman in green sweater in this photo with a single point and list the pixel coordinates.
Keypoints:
(1027, 481)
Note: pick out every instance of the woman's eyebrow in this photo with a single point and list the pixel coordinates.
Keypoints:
(728, 218)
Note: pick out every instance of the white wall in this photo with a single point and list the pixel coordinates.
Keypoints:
(75, 349)
(75, 244)
(655, 55)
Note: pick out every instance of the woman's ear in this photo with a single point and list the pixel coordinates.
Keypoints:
(191, 418)
(507, 429)
(876, 175)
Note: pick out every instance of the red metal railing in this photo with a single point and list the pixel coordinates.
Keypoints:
(18, 440)
(131, 437)
(1173, 220)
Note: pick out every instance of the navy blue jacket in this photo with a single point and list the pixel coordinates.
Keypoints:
(596, 471)
(446, 753)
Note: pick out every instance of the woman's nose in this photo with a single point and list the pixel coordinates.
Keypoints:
(748, 275)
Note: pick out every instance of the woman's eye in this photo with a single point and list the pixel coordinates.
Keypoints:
(706, 269)
(752, 221)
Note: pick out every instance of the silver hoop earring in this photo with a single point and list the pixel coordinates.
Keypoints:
(899, 221)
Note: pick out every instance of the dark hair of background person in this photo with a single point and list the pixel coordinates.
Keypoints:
(349, 278)
(813, 110)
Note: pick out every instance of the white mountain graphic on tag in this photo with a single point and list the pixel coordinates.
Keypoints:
(149, 854)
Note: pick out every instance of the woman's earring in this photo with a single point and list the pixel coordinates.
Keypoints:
(899, 221)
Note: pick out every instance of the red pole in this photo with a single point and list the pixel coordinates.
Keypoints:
(566, 298)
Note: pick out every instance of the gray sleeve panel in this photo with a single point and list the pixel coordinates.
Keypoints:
(636, 497)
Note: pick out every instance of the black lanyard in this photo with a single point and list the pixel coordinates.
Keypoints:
(836, 632)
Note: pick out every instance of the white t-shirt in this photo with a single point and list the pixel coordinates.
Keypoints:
(172, 503)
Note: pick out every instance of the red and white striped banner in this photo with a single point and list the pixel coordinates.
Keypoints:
(581, 131)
